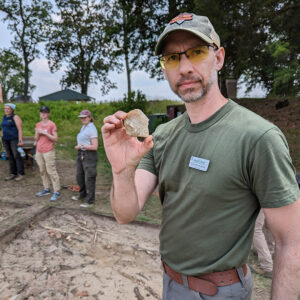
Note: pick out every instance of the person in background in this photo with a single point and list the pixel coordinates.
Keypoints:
(260, 245)
(215, 166)
(46, 136)
(12, 138)
(87, 145)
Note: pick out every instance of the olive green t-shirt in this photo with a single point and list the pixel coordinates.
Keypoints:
(213, 178)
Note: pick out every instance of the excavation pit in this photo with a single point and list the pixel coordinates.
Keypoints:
(58, 254)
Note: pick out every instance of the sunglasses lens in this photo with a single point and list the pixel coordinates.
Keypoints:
(197, 54)
(194, 55)
(170, 61)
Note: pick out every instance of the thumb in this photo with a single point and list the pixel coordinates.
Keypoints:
(148, 143)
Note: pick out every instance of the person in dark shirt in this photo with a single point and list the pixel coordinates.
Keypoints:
(215, 167)
(12, 138)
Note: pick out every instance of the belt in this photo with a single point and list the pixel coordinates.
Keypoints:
(208, 283)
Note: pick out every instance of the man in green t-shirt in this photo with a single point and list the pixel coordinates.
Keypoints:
(214, 167)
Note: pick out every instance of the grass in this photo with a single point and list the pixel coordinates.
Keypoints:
(152, 211)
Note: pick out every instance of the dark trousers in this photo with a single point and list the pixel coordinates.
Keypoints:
(86, 174)
(16, 163)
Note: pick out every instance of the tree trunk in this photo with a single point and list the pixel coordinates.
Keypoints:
(26, 79)
(128, 71)
(173, 12)
(5, 90)
(128, 74)
(85, 84)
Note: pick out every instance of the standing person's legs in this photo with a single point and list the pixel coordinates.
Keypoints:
(9, 155)
(43, 171)
(50, 163)
(90, 169)
(17, 157)
(269, 239)
(260, 244)
(238, 291)
(80, 176)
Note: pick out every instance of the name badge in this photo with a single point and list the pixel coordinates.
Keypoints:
(199, 163)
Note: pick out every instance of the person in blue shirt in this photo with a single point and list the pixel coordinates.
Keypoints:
(12, 138)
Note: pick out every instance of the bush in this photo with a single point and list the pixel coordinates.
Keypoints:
(132, 101)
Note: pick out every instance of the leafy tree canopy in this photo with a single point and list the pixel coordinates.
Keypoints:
(27, 21)
(11, 74)
(78, 39)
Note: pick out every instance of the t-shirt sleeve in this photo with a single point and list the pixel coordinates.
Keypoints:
(147, 162)
(272, 173)
(54, 127)
(93, 132)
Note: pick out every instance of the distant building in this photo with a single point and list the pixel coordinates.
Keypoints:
(67, 95)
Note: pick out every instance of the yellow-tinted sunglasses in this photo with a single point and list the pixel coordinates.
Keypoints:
(194, 55)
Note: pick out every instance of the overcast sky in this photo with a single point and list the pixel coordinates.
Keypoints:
(47, 82)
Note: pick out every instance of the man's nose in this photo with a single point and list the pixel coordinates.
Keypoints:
(185, 66)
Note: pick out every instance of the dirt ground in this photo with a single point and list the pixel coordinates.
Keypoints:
(72, 255)
(59, 251)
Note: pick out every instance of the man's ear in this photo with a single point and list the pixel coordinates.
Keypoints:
(220, 56)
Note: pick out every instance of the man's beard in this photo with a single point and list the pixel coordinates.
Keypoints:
(193, 94)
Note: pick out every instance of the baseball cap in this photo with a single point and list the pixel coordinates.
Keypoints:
(85, 113)
(45, 108)
(198, 25)
(11, 105)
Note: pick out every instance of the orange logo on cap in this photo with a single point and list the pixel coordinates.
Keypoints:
(181, 18)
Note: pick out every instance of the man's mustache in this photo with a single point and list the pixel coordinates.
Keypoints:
(187, 78)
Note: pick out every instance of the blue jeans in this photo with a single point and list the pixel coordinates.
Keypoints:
(238, 291)
(16, 163)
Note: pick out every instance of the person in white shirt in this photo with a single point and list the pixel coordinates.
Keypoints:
(87, 145)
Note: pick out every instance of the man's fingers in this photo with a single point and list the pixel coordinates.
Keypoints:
(107, 127)
(148, 143)
(116, 118)
(120, 115)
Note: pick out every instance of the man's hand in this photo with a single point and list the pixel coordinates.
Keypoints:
(41, 131)
(122, 150)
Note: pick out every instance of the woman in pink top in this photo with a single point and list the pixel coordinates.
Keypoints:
(45, 136)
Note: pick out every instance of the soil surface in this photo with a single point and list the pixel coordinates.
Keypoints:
(70, 255)
(60, 251)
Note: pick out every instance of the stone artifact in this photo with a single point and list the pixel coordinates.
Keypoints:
(136, 124)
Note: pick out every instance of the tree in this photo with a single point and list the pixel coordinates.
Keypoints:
(278, 69)
(27, 22)
(240, 30)
(135, 27)
(248, 31)
(79, 39)
(11, 74)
